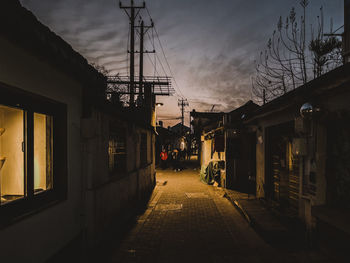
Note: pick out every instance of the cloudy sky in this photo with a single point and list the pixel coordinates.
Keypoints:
(210, 45)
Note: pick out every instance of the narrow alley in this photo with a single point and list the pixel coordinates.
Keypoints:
(189, 221)
(174, 131)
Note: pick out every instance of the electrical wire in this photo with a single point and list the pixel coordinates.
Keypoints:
(154, 56)
(166, 60)
(337, 29)
(160, 62)
(127, 53)
(150, 60)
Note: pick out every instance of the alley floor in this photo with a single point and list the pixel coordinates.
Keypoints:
(189, 221)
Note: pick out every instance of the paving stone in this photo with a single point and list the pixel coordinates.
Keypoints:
(188, 221)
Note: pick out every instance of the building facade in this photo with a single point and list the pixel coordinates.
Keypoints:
(302, 151)
(72, 164)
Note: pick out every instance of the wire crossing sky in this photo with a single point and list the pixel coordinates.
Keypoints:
(208, 46)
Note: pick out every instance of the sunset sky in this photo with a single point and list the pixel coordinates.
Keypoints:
(210, 45)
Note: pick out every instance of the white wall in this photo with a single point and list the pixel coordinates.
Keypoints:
(206, 153)
(36, 237)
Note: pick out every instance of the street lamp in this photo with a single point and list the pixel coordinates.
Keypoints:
(308, 111)
(158, 104)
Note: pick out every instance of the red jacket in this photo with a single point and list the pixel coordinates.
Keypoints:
(163, 156)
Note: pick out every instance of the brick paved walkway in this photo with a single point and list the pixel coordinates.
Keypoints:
(188, 221)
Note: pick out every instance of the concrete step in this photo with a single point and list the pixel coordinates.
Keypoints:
(263, 220)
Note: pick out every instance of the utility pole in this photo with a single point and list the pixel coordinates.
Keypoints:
(212, 108)
(141, 59)
(143, 31)
(132, 16)
(182, 103)
(157, 85)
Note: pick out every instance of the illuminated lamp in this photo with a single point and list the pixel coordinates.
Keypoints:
(308, 111)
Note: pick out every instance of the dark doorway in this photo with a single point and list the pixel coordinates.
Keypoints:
(241, 163)
(338, 161)
(282, 168)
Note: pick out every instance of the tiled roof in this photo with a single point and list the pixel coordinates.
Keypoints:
(329, 83)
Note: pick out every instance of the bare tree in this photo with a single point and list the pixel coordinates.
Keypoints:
(326, 51)
(291, 57)
(115, 92)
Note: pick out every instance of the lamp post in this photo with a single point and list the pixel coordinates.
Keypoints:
(158, 105)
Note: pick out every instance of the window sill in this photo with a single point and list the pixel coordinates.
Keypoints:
(18, 210)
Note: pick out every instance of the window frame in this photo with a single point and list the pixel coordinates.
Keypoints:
(117, 129)
(118, 168)
(32, 103)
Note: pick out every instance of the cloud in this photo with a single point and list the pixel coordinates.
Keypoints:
(210, 45)
(222, 79)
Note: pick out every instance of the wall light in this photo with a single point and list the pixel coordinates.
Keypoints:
(307, 110)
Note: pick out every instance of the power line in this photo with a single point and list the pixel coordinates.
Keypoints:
(160, 62)
(133, 12)
(166, 60)
(127, 53)
(163, 70)
(153, 46)
(338, 29)
(178, 92)
(150, 60)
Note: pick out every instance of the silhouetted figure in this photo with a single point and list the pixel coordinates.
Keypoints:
(163, 159)
(176, 160)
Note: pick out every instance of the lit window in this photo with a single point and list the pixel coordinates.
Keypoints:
(33, 153)
(12, 178)
(43, 152)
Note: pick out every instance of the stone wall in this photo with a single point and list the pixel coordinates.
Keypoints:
(109, 196)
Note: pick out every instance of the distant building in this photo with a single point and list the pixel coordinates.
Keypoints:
(180, 129)
(202, 122)
(229, 140)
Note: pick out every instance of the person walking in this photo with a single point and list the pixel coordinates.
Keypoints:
(163, 159)
(175, 157)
